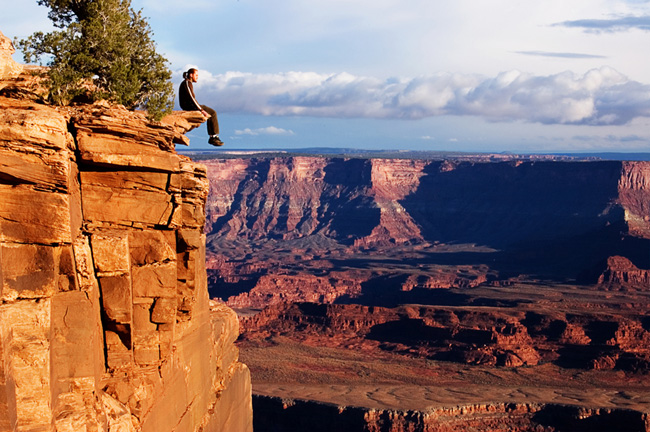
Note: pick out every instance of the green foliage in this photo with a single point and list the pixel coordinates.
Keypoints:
(108, 45)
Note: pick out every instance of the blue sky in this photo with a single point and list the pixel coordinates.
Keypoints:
(467, 75)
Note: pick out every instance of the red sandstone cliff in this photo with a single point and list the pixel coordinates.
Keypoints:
(634, 192)
(105, 320)
(377, 201)
(487, 417)
(291, 229)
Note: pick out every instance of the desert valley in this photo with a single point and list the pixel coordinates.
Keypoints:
(436, 295)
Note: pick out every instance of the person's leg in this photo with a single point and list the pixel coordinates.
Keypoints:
(213, 123)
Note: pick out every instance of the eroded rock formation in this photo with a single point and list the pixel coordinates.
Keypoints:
(299, 415)
(467, 335)
(452, 223)
(8, 67)
(105, 320)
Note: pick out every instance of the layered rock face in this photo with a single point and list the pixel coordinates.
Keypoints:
(301, 415)
(373, 201)
(105, 320)
(559, 220)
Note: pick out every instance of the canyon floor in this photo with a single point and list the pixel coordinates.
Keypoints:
(375, 380)
(304, 361)
(366, 373)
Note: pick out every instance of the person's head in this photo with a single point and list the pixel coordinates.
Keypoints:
(192, 74)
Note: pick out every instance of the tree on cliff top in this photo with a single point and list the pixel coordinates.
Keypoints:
(108, 45)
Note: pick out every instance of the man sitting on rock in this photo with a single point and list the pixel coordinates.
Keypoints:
(188, 102)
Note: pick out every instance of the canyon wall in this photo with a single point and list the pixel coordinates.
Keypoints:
(478, 222)
(367, 202)
(300, 415)
(105, 319)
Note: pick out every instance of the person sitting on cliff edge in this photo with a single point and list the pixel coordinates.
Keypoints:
(188, 102)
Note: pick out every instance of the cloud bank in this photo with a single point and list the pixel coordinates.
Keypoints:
(270, 130)
(599, 97)
(610, 25)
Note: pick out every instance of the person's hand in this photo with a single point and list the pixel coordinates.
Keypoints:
(205, 114)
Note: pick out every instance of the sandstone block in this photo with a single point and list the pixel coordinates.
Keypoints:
(136, 180)
(183, 122)
(84, 266)
(143, 328)
(164, 311)
(193, 213)
(190, 266)
(76, 344)
(40, 126)
(146, 356)
(190, 238)
(32, 216)
(118, 348)
(101, 149)
(111, 252)
(48, 170)
(24, 336)
(152, 246)
(117, 298)
(187, 265)
(29, 271)
(175, 183)
(125, 207)
(166, 335)
(155, 281)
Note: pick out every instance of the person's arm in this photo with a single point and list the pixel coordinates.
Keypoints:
(190, 94)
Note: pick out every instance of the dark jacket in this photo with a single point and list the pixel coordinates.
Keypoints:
(186, 97)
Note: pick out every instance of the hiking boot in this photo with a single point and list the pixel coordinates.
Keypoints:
(215, 141)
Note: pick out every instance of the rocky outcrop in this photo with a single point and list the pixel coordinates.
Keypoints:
(105, 320)
(298, 415)
(8, 67)
(634, 191)
(18, 80)
(620, 273)
(465, 335)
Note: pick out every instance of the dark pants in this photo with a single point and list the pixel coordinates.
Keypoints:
(213, 123)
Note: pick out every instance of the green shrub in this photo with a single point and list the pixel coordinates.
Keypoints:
(103, 49)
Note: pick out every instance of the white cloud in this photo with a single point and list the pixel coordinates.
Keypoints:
(599, 97)
(270, 130)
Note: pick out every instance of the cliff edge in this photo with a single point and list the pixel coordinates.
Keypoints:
(105, 320)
